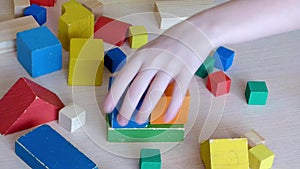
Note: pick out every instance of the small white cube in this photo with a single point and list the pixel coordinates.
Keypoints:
(253, 138)
(72, 117)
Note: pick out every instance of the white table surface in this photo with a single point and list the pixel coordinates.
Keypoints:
(275, 60)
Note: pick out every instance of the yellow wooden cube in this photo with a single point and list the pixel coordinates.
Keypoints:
(138, 36)
(225, 153)
(86, 62)
(75, 22)
(261, 157)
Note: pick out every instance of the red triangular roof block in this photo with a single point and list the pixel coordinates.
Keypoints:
(27, 104)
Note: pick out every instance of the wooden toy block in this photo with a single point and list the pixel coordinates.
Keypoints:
(95, 6)
(75, 22)
(9, 29)
(110, 81)
(72, 117)
(111, 31)
(114, 60)
(169, 13)
(49, 3)
(150, 159)
(26, 105)
(225, 153)
(151, 133)
(261, 157)
(39, 51)
(160, 110)
(39, 13)
(138, 36)
(43, 147)
(253, 138)
(206, 68)
(19, 6)
(218, 83)
(86, 62)
(256, 92)
(6, 10)
(223, 58)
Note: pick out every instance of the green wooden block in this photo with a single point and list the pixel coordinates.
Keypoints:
(151, 133)
(206, 68)
(150, 159)
(256, 93)
(261, 157)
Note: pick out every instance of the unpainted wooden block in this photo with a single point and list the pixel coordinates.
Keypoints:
(39, 13)
(169, 13)
(6, 10)
(206, 67)
(19, 6)
(9, 29)
(27, 104)
(225, 153)
(95, 6)
(114, 59)
(223, 58)
(261, 157)
(111, 30)
(75, 22)
(39, 51)
(160, 110)
(150, 159)
(45, 148)
(48, 3)
(86, 62)
(256, 92)
(72, 117)
(253, 138)
(218, 83)
(138, 36)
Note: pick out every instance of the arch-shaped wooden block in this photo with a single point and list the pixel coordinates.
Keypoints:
(76, 22)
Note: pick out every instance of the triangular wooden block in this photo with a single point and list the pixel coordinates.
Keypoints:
(26, 105)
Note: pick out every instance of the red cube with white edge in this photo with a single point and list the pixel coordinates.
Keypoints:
(218, 83)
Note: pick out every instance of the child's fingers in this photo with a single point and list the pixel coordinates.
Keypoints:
(179, 92)
(154, 93)
(134, 94)
(122, 80)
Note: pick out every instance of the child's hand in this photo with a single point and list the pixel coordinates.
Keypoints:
(173, 56)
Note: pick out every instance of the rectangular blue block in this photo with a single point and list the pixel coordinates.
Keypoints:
(114, 59)
(44, 148)
(39, 51)
(223, 58)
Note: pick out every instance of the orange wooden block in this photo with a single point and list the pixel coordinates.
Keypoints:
(157, 115)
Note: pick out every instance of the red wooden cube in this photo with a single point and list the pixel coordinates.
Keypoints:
(111, 31)
(26, 105)
(218, 83)
(43, 2)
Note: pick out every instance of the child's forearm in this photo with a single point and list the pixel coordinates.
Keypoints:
(244, 20)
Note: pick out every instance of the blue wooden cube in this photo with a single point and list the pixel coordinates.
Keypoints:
(150, 159)
(223, 58)
(39, 13)
(113, 115)
(43, 147)
(39, 51)
(114, 60)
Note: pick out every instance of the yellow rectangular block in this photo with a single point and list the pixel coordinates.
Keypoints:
(138, 36)
(75, 22)
(225, 153)
(261, 157)
(86, 62)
